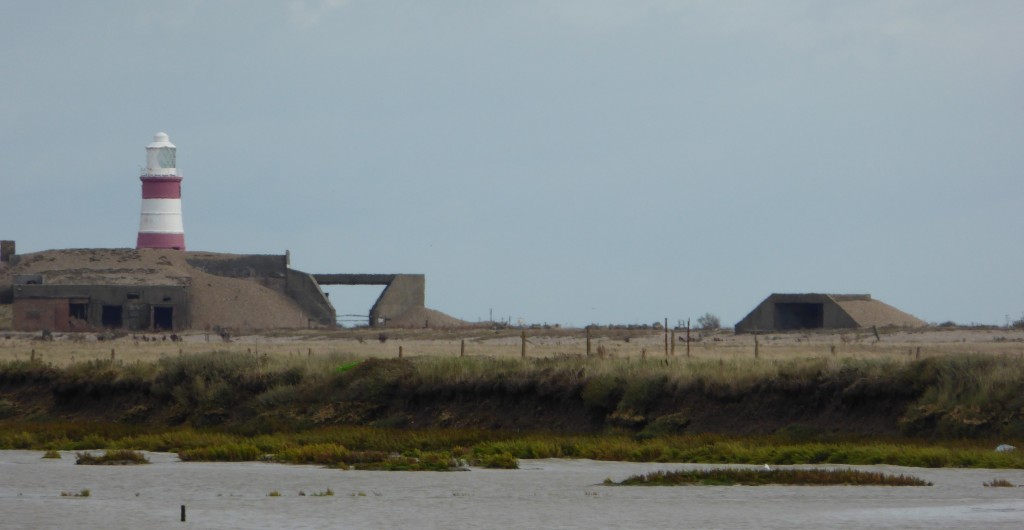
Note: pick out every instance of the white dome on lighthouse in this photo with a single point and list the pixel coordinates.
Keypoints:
(160, 139)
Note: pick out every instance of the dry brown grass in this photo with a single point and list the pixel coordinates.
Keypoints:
(619, 343)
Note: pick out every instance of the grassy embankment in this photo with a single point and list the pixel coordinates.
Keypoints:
(432, 413)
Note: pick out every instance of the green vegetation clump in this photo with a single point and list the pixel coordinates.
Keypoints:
(229, 452)
(999, 483)
(82, 493)
(760, 477)
(51, 454)
(375, 448)
(116, 457)
(495, 460)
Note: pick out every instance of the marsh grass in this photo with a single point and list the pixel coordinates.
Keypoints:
(115, 457)
(999, 483)
(442, 449)
(51, 454)
(82, 493)
(759, 477)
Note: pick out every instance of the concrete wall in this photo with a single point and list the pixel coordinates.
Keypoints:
(302, 288)
(765, 316)
(6, 251)
(402, 292)
(38, 307)
(244, 266)
(405, 292)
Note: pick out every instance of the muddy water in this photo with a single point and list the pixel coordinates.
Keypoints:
(543, 494)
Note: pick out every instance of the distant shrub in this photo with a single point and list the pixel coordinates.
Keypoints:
(709, 322)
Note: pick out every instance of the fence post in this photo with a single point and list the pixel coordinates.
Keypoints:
(522, 353)
(588, 341)
(462, 348)
(756, 346)
(687, 338)
(666, 337)
(399, 352)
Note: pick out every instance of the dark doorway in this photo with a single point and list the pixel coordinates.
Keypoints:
(799, 316)
(163, 318)
(112, 316)
(79, 311)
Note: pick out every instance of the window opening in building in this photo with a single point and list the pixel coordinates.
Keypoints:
(79, 311)
(112, 316)
(163, 318)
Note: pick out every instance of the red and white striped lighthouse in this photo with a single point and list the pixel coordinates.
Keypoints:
(160, 226)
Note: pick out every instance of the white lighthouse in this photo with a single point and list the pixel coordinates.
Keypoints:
(160, 225)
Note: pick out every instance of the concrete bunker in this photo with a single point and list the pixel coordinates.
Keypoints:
(810, 311)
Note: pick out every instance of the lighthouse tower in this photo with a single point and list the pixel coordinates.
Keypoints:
(160, 226)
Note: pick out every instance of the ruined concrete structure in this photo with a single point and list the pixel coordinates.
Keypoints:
(788, 312)
(402, 292)
(163, 290)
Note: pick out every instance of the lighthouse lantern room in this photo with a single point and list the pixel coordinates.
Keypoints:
(160, 225)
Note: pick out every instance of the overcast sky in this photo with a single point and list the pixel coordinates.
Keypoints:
(569, 161)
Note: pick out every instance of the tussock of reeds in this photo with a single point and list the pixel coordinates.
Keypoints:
(759, 477)
(116, 457)
(82, 493)
(51, 454)
(999, 483)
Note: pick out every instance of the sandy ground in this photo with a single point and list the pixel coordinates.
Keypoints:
(66, 348)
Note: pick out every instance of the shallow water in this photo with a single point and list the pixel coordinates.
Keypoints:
(542, 494)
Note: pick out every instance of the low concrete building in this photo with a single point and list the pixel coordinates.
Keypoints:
(85, 307)
(789, 312)
(169, 290)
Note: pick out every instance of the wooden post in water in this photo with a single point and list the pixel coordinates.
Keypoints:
(522, 353)
(462, 348)
(666, 337)
(183, 513)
